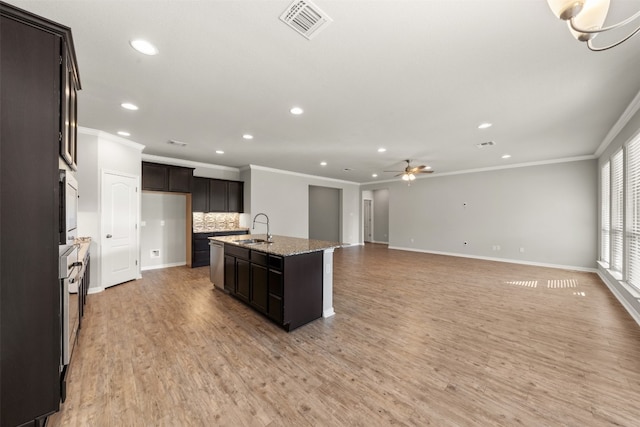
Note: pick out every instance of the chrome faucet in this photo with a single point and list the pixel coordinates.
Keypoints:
(269, 236)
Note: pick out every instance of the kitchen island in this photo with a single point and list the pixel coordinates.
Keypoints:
(290, 280)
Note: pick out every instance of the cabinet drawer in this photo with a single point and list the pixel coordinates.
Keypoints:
(201, 244)
(275, 283)
(276, 262)
(259, 258)
(236, 251)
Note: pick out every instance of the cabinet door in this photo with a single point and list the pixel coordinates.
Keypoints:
(200, 195)
(259, 288)
(154, 177)
(180, 179)
(235, 196)
(217, 195)
(230, 274)
(30, 78)
(243, 282)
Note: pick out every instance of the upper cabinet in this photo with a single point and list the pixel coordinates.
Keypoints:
(160, 177)
(69, 111)
(217, 195)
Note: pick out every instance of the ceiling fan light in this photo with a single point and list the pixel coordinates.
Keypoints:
(590, 18)
(411, 177)
(405, 177)
(565, 9)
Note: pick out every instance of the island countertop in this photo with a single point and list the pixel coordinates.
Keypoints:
(281, 245)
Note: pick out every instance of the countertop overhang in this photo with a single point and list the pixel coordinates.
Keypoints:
(281, 245)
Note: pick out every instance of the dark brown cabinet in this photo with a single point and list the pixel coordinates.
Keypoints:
(287, 289)
(200, 194)
(168, 178)
(200, 249)
(36, 60)
(217, 195)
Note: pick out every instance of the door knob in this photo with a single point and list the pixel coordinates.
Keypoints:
(109, 236)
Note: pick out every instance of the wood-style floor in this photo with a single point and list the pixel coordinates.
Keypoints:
(417, 339)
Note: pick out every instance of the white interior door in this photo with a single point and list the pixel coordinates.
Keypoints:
(367, 221)
(119, 228)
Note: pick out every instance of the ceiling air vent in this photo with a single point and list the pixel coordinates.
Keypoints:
(306, 18)
(178, 143)
(485, 144)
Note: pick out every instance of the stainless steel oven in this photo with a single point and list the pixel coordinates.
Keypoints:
(68, 207)
(70, 268)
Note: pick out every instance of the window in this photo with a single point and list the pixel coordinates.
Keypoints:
(633, 213)
(605, 221)
(617, 211)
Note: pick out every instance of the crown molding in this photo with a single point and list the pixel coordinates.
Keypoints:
(110, 137)
(629, 112)
(304, 175)
(188, 163)
(493, 168)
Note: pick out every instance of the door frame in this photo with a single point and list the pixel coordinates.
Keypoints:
(368, 202)
(138, 205)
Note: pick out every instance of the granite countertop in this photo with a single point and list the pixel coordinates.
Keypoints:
(281, 245)
(83, 246)
(218, 230)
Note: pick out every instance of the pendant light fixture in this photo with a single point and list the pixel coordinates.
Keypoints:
(585, 19)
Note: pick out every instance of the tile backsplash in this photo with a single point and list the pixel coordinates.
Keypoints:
(209, 221)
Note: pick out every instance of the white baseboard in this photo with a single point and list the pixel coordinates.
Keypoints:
(625, 297)
(95, 290)
(156, 267)
(328, 313)
(511, 261)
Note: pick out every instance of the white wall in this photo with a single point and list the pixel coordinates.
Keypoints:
(163, 229)
(550, 211)
(98, 151)
(284, 197)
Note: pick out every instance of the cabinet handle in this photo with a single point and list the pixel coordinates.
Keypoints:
(109, 236)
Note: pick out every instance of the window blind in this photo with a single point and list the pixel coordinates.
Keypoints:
(605, 205)
(633, 213)
(617, 211)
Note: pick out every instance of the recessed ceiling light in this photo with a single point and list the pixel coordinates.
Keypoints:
(375, 175)
(506, 156)
(323, 163)
(219, 152)
(247, 136)
(123, 133)
(484, 125)
(296, 111)
(129, 106)
(144, 47)
(381, 150)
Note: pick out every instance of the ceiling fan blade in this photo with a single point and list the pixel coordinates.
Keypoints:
(400, 174)
(424, 172)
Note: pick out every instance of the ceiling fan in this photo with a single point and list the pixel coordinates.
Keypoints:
(409, 173)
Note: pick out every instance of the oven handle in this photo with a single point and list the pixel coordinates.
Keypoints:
(74, 275)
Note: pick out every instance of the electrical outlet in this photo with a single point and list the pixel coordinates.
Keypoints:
(162, 223)
(155, 253)
(521, 250)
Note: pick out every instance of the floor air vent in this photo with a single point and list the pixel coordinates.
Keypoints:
(306, 18)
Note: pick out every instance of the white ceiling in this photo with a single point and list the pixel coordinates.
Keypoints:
(415, 77)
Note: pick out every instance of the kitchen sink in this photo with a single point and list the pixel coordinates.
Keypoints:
(251, 241)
